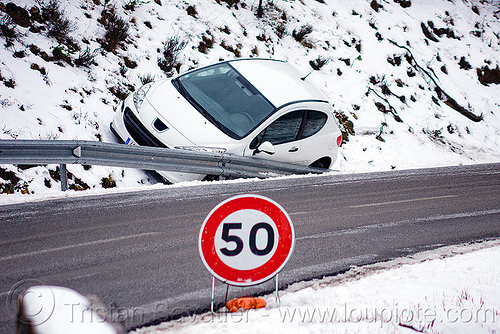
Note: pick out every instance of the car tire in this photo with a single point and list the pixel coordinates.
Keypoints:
(322, 163)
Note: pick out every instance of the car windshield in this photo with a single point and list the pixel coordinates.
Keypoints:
(225, 98)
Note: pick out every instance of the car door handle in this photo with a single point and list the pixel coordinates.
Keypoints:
(293, 149)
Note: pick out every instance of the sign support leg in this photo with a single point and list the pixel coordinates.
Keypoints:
(227, 292)
(213, 295)
(276, 281)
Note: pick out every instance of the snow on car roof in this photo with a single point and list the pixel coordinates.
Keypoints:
(277, 80)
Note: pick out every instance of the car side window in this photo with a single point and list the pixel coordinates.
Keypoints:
(314, 123)
(283, 130)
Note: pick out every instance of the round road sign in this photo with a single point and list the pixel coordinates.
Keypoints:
(246, 240)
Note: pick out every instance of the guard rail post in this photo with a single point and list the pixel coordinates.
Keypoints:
(63, 174)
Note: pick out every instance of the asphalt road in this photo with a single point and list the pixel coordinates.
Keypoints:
(138, 251)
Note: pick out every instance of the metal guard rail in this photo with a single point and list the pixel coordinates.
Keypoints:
(142, 157)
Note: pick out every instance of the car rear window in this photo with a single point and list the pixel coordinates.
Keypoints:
(314, 122)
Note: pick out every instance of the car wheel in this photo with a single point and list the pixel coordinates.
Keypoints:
(322, 163)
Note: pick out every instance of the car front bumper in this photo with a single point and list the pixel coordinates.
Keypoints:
(119, 129)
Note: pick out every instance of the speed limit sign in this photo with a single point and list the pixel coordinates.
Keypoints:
(246, 240)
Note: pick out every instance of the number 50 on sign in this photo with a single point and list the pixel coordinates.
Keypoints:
(246, 240)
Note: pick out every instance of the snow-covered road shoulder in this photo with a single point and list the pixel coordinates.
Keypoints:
(453, 289)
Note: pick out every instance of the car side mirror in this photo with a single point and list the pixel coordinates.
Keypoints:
(266, 147)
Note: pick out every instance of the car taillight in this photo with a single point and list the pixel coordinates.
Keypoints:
(339, 140)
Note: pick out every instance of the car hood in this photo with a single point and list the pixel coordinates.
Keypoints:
(186, 125)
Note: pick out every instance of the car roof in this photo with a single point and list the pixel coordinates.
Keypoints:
(278, 81)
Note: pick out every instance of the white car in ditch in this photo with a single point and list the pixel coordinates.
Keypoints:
(259, 108)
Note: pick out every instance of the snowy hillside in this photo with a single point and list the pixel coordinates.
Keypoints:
(413, 83)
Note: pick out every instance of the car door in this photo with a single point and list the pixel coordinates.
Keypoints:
(283, 134)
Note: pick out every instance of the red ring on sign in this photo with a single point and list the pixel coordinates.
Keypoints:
(257, 275)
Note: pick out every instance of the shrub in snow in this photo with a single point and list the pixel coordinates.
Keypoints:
(108, 182)
(206, 43)
(18, 14)
(300, 34)
(318, 63)
(274, 17)
(230, 3)
(404, 3)
(8, 30)
(133, 3)
(117, 30)
(236, 51)
(147, 78)
(120, 91)
(8, 82)
(58, 26)
(394, 61)
(86, 58)
(61, 53)
(488, 76)
(171, 49)
(346, 125)
(428, 33)
(376, 6)
(129, 62)
(11, 183)
(191, 10)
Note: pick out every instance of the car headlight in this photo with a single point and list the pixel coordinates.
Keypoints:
(202, 149)
(140, 95)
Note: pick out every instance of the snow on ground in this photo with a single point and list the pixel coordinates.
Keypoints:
(452, 290)
(381, 74)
